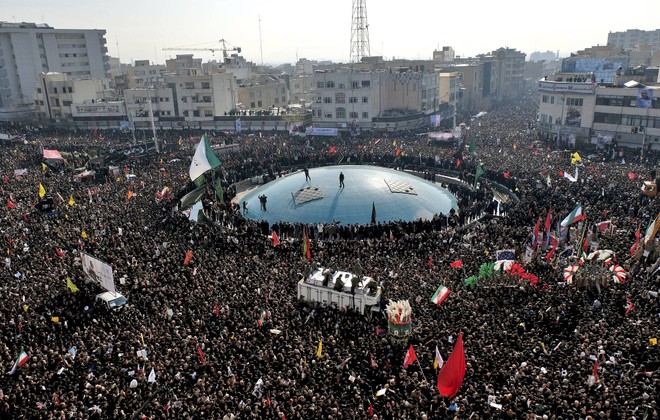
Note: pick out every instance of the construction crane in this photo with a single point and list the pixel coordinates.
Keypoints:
(226, 49)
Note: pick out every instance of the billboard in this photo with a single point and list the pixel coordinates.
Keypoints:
(98, 271)
(644, 98)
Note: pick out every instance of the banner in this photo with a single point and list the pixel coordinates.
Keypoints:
(319, 131)
(644, 98)
(98, 271)
(136, 150)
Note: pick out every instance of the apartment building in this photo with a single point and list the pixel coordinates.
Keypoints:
(55, 93)
(29, 49)
(629, 39)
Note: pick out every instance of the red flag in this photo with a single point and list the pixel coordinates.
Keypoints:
(636, 244)
(398, 152)
(430, 262)
(59, 252)
(308, 251)
(202, 359)
(452, 373)
(56, 398)
(631, 175)
(268, 399)
(456, 264)
(551, 253)
(561, 174)
(595, 372)
(374, 365)
(410, 357)
(371, 410)
(276, 240)
(10, 204)
(332, 149)
(585, 244)
(6, 179)
(188, 257)
(507, 174)
(216, 309)
(458, 163)
(630, 307)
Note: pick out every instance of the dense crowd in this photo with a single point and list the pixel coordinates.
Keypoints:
(530, 349)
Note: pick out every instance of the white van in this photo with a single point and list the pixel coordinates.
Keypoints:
(112, 300)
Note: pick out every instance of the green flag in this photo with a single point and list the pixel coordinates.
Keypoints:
(218, 191)
(473, 145)
(480, 171)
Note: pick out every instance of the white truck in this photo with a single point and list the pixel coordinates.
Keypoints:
(321, 287)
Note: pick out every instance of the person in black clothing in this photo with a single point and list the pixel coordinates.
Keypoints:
(307, 177)
(341, 180)
(263, 200)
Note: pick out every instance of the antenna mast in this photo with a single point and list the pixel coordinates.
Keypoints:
(359, 31)
(261, 48)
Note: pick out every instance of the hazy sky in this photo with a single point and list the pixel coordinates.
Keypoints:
(321, 30)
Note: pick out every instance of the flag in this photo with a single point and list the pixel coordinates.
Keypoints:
(72, 287)
(430, 262)
(42, 191)
(551, 253)
(129, 195)
(83, 234)
(456, 264)
(473, 145)
(20, 361)
(652, 230)
(480, 171)
(10, 204)
(202, 359)
(630, 307)
(319, 350)
(458, 163)
(371, 410)
(44, 167)
(59, 252)
(374, 365)
(188, 257)
(398, 152)
(605, 227)
(216, 309)
(89, 195)
(55, 319)
(307, 253)
(636, 244)
(262, 318)
(535, 234)
(5, 179)
(575, 216)
(595, 372)
(631, 175)
(71, 202)
(152, 376)
(373, 213)
(507, 174)
(410, 357)
(203, 160)
(440, 295)
(452, 373)
(276, 240)
(548, 226)
(575, 158)
(268, 399)
(438, 362)
(332, 149)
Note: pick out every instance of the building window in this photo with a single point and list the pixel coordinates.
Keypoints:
(552, 99)
(277, 100)
(340, 112)
(366, 83)
(340, 98)
(330, 84)
(282, 90)
(190, 85)
(66, 103)
(355, 84)
(208, 112)
(318, 113)
(206, 98)
(185, 113)
(574, 101)
(320, 85)
(342, 86)
(353, 100)
(283, 99)
(327, 100)
(206, 85)
(184, 99)
(54, 90)
(252, 105)
(196, 113)
(328, 115)
(545, 99)
(365, 99)
(353, 115)
(259, 104)
(365, 115)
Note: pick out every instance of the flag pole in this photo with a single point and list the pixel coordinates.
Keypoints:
(422, 371)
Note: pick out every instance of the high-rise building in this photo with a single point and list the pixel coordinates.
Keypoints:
(29, 49)
(630, 38)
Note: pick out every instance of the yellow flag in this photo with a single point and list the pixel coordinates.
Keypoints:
(42, 191)
(515, 146)
(118, 179)
(84, 234)
(25, 308)
(71, 202)
(142, 338)
(653, 341)
(55, 319)
(394, 143)
(71, 286)
(319, 351)
(43, 166)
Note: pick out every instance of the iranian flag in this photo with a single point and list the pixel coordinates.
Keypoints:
(20, 361)
(262, 318)
(576, 215)
(440, 295)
